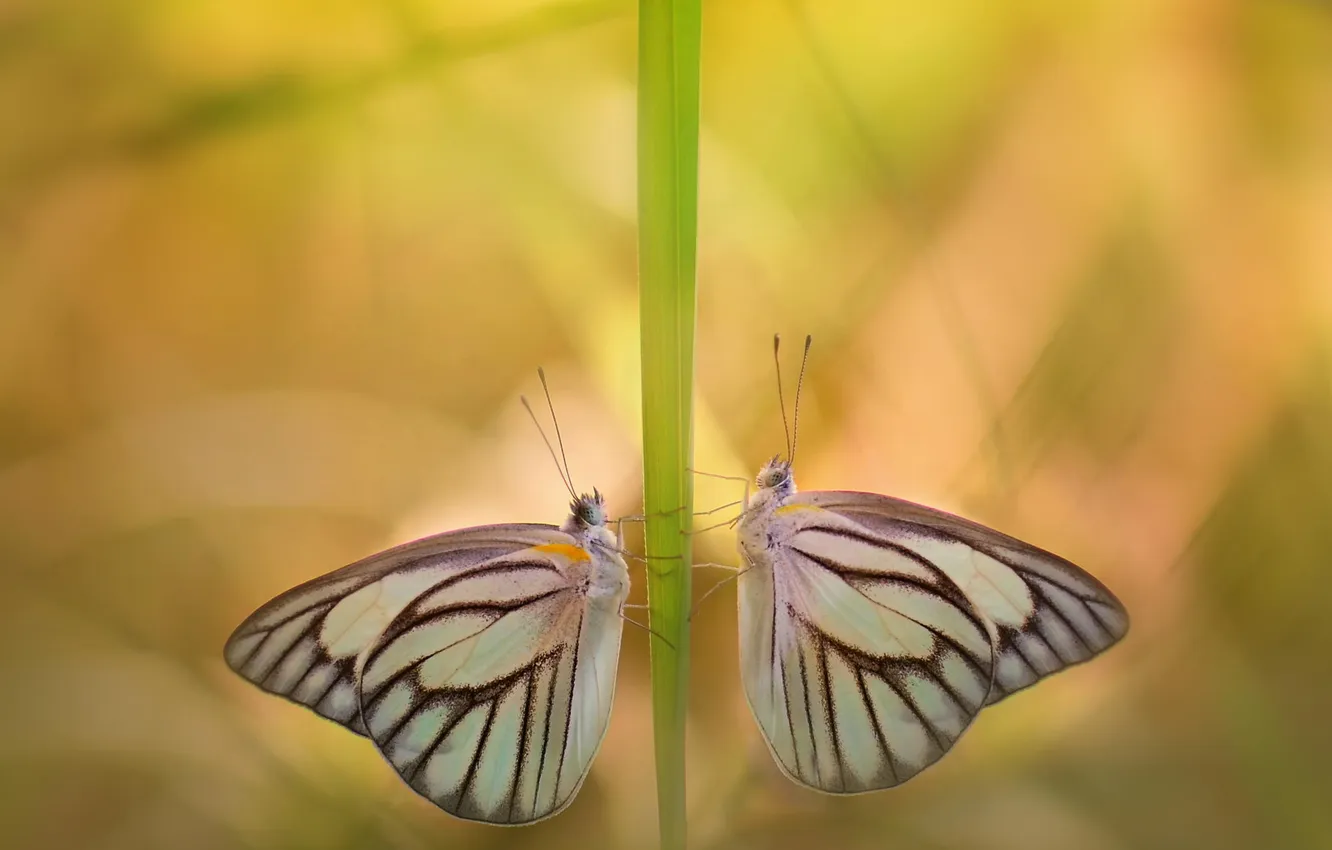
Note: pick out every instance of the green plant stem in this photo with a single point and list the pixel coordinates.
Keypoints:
(669, 36)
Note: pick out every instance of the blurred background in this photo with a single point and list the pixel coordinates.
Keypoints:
(273, 276)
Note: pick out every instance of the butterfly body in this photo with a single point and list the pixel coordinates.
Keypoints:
(602, 575)
(480, 662)
(874, 630)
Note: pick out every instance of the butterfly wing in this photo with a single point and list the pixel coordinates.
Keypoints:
(304, 644)
(1048, 613)
(491, 693)
(861, 661)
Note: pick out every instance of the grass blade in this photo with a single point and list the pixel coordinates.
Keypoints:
(669, 38)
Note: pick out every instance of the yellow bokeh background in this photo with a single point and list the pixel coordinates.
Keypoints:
(273, 276)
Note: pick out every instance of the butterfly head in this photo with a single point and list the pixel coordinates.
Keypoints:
(588, 511)
(776, 475)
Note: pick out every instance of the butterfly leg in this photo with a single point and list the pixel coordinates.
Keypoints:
(708, 512)
(736, 572)
(737, 503)
(710, 590)
(644, 559)
(745, 500)
(645, 627)
(645, 517)
(727, 524)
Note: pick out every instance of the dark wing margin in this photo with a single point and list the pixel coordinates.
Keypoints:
(1048, 613)
(471, 694)
(304, 645)
(878, 663)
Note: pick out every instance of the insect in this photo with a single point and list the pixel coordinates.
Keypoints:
(481, 662)
(874, 630)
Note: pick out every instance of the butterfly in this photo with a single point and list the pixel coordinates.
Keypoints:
(481, 662)
(873, 630)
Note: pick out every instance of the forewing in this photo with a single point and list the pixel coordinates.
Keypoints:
(1048, 614)
(863, 664)
(304, 644)
(491, 694)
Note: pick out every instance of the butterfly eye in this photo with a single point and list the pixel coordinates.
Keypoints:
(591, 512)
(772, 477)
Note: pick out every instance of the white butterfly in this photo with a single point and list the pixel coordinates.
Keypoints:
(480, 662)
(873, 630)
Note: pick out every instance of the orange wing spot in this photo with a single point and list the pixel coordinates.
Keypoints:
(572, 553)
(790, 509)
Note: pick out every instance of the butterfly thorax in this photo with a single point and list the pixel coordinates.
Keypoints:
(608, 576)
(604, 576)
(776, 485)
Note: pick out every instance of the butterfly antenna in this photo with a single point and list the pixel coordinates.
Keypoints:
(777, 361)
(800, 382)
(563, 478)
(568, 476)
